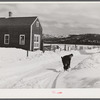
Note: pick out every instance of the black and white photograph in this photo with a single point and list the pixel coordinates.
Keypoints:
(49, 45)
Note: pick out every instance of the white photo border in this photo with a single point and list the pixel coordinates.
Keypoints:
(49, 93)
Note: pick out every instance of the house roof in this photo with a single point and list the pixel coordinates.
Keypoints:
(17, 21)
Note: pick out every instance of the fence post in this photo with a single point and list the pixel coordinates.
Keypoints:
(75, 47)
(27, 53)
(43, 49)
(65, 47)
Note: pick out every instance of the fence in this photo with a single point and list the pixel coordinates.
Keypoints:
(67, 47)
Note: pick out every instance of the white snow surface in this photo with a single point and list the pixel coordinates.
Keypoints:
(45, 70)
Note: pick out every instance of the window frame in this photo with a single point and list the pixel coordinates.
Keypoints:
(37, 41)
(6, 39)
(37, 24)
(20, 43)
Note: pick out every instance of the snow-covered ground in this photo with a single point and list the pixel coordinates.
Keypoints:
(45, 70)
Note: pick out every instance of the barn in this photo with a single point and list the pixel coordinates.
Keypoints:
(21, 32)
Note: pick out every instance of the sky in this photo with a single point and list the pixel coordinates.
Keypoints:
(59, 18)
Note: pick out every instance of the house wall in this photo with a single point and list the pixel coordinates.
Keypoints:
(36, 30)
(15, 32)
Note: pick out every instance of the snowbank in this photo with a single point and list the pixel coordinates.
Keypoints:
(19, 71)
(93, 50)
(86, 74)
(42, 70)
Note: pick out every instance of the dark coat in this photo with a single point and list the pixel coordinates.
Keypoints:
(66, 61)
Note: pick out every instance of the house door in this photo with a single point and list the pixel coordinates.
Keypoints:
(36, 41)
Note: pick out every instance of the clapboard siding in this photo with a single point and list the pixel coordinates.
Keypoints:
(17, 26)
(36, 30)
(15, 32)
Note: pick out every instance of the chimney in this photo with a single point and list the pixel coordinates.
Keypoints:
(10, 14)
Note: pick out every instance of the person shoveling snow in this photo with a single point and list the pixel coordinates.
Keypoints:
(66, 61)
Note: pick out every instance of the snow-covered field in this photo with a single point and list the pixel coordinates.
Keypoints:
(45, 70)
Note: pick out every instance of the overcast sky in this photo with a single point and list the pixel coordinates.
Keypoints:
(59, 18)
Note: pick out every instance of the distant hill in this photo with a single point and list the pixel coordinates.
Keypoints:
(86, 39)
(50, 39)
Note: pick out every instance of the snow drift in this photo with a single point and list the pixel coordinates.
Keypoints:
(45, 70)
(86, 74)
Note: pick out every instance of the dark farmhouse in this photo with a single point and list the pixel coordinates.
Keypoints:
(21, 32)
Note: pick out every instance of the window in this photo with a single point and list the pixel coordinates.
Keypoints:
(6, 39)
(37, 24)
(36, 41)
(22, 40)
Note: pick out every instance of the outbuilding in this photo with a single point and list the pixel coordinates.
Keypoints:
(21, 32)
